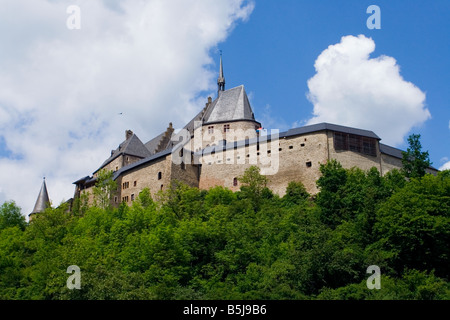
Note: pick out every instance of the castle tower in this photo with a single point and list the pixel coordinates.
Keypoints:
(42, 202)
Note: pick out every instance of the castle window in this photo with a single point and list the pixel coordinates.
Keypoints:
(268, 151)
(235, 182)
(226, 128)
(291, 147)
(117, 168)
(132, 197)
(162, 186)
(309, 164)
(125, 185)
(355, 143)
(159, 175)
(125, 199)
(210, 129)
(135, 184)
(280, 149)
(115, 199)
(302, 145)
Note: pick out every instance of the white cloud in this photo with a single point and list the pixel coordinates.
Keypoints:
(61, 90)
(445, 166)
(350, 88)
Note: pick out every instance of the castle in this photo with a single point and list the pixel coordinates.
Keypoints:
(224, 139)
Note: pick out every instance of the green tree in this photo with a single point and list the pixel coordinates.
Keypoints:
(415, 161)
(254, 186)
(104, 189)
(414, 225)
(329, 199)
(295, 193)
(10, 216)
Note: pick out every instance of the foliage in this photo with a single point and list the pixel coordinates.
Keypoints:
(11, 216)
(414, 160)
(104, 189)
(187, 243)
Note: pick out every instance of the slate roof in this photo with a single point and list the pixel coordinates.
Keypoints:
(391, 151)
(152, 145)
(42, 201)
(133, 146)
(331, 127)
(231, 105)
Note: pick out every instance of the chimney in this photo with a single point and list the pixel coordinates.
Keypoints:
(128, 134)
(209, 100)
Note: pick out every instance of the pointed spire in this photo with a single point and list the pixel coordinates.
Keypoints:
(221, 79)
(42, 201)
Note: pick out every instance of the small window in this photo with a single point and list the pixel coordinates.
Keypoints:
(132, 197)
(309, 164)
(183, 166)
(268, 151)
(210, 129)
(162, 186)
(226, 128)
(280, 149)
(117, 168)
(291, 147)
(159, 175)
(302, 145)
(135, 184)
(235, 182)
(116, 199)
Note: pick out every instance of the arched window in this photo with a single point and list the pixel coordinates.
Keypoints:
(235, 182)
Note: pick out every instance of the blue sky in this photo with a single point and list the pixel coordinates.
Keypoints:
(154, 61)
(274, 53)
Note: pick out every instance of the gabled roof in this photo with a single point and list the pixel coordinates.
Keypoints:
(230, 105)
(42, 201)
(152, 145)
(133, 146)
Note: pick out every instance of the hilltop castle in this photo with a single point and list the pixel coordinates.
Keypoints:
(224, 139)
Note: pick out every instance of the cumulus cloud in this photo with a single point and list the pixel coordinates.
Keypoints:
(62, 91)
(445, 166)
(351, 88)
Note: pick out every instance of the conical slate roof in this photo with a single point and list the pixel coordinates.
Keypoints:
(42, 201)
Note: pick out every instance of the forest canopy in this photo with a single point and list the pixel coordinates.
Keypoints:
(187, 243)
